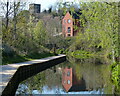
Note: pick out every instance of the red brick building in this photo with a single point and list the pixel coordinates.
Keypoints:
(70, 82)
(68, 25)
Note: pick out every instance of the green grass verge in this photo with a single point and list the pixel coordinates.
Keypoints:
(18, 58)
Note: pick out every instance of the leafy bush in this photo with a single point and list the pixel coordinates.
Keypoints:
(81, 54)
(115, 75)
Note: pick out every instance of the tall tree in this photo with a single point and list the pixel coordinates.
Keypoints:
(16, 6)
(6, 10)
(100, 22)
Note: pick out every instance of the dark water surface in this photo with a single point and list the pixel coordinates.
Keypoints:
(75, 76)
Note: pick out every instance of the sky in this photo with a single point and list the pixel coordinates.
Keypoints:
(60, 91)
(45, 4)
(46, 90)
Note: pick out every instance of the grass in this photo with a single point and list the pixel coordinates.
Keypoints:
(38, 55)
(18, 58)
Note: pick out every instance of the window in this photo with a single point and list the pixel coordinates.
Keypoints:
(69, 29)
(68, 81)
(37, 9)
(68, 73)
(68, 34)
(69, 21)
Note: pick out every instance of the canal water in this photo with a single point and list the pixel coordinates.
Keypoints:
(75, 76)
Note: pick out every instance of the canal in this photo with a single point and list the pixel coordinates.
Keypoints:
(75, 76)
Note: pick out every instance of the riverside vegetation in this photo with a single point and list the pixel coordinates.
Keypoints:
(24, 39)
(99, 36)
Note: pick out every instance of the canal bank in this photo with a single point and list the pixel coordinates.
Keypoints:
(13, 74)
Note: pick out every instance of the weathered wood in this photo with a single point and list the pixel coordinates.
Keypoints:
(13, 74)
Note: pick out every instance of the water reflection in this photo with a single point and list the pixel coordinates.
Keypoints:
(90, 76)
(70, 81)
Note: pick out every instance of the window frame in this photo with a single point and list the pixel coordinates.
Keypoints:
(68, 73)
(69, 20)
(69, 29)
(68, 82)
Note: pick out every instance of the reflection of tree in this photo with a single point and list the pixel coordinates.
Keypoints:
(49, 78)
(95, 73)
(64, 64)
(36, 82)
(22, 89)
(53, 79)
(33, 83)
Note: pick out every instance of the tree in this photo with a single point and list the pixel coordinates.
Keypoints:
(6, 9)
(97, 37)
(39, 33)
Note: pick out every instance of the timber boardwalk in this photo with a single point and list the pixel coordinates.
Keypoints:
(12, 74)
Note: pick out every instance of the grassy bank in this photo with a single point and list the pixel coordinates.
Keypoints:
(18, 58)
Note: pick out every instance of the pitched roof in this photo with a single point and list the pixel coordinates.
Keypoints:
(67, 14)
(75, 15)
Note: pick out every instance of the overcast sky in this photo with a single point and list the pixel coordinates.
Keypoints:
(47, 3)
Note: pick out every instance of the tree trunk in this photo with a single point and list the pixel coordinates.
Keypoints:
(14, 20)
(16, 7)
(113, 55)
(7, 19)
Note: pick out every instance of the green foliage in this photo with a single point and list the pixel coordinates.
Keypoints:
(81, 54)
(6, 59)
(66, 42)
(33, 83)
(15, 59)
(39, 34)
(37, 82)
(99, 21)
(62, 51)
(42, 79)
(99, 36)
(29, 38)
(115, 76)
(63, 8)
(38, 55)
(95, 71)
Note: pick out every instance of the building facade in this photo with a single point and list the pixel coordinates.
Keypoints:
(34, 8)
(68, 25)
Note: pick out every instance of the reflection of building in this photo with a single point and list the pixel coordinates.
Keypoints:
(69, 24)
(70, 81)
